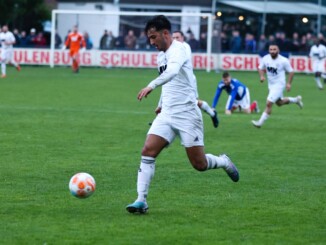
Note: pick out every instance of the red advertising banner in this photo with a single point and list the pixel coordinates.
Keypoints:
(138, 59)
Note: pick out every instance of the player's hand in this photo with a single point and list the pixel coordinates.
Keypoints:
(228, 112)
(158, 110)
(262, 79)
(144, 92)
(288, 87)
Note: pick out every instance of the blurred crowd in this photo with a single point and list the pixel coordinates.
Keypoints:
(248, 43)
(230, 41)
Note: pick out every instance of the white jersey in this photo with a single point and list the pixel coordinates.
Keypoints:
(6, 37)
(188, 50)
(275, 69)
(317, 52)
(176, 76)
(189, 55)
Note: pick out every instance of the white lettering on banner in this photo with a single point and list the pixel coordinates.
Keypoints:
(132, 59)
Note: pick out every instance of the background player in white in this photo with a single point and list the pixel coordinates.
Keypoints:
(318, 54)
(180, 114)
(276, 67)
(179, 36)
(7, 40)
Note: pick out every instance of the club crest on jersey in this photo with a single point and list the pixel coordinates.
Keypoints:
(272, 70)
(161, 69)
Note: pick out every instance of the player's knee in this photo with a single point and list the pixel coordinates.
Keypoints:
(149, 151)
(199, 166)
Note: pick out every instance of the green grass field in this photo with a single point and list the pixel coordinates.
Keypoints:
(54, 123)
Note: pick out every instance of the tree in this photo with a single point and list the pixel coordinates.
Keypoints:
(24, 14)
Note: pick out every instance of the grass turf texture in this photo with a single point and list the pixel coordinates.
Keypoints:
(55, 123)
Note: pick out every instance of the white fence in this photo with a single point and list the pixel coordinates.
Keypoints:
(133, 59)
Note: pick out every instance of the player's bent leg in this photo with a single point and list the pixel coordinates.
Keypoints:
(231, 169)
(202, 162)
(197, 157)
(264, 116)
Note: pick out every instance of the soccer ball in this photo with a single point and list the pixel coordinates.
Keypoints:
(82, 185)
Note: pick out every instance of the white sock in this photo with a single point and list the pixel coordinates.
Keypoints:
(3, 68)
(14, 63)
(293, 100)
(319, 84)
(263, 118)
(145, 175)
(205, 107)
(216, 162)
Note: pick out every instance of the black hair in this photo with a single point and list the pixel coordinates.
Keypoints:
(181, 33)
(225, 74)
(159, 22)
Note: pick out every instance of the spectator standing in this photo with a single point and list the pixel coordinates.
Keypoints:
(193, 42)
(88, 41)
(17, 37)
(141, 42)
(261, 46)
(31, 38)
(250, 43)
(23, 39)
(236, 42)
(119, 41)
(295, 43)
(130, 40)
(40, 41)
(215, 42)
(107, 40)
(57, 40)
(203, 41)
(225, 44)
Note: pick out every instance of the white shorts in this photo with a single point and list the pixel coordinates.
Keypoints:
(188, 125)
(6, 55)
(275, 94)
(318, 65)
(244, 103)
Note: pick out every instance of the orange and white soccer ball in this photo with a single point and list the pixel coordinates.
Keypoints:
(82, 185)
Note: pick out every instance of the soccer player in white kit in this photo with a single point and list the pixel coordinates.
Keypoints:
(276, 67)
(7, 40)
(179, 36)
(318, 54)
(180, 114)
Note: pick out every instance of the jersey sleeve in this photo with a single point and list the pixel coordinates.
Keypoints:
(217, 95)
(287, 66)
(67, 42)
(12, 38)
(174, 64)
(232, 96)
(262, 64)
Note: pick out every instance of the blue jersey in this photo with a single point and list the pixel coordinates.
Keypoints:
(236, 90)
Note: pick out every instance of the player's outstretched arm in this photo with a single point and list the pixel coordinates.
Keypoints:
(144, 92)
(261, 75)
(289, 83)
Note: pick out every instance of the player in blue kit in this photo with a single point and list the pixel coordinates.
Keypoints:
(239, 96)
